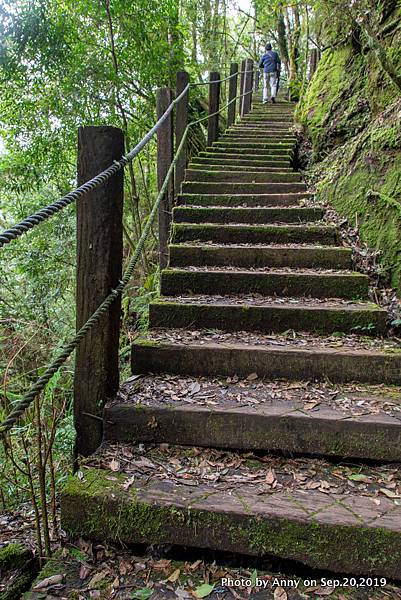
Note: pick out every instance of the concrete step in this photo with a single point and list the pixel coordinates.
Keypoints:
(300, 359)
(255, 234)
(225, 215)
(293, 283)
(196, 187)
(251, 118)
(241, 199)
(198, 255)
(268, 315)
(225, 175)
(258, 415)
(213, 164)
(166, 498)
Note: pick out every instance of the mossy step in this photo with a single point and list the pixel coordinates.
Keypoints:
(293, 362)
(345, 534)
(259, 136)
(238, 143)
(270, 118)
(18, 568)
(324, 257)
(216, 187)
(265, 159)
(279, 125)
(225, 174)
(317, 284)
(241, 199)
(279, 424)
(265, 135)
(277, 154)
(254, 234)
(187, 214)
(235, 165)
(366, 319)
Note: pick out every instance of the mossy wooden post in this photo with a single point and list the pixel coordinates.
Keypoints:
(164, 158)
(232, 92)
(181, 122)
(248, 82)
(214, 102)
(99, 265)
(242, 88)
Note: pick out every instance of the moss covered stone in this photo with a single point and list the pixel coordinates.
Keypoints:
(163, 512)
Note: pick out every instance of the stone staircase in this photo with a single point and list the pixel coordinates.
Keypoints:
(265, 350)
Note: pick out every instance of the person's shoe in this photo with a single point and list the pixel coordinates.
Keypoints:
(274, 100)
(265, 101)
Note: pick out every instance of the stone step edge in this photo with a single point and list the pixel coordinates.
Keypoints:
(318, 530)
(365, 319)
(293, 363)
(276, 427)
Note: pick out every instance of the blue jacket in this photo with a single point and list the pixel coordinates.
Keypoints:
(270, 62)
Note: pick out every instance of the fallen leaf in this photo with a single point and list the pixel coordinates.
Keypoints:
(360, 477)
(97, 577)
(204, 590)
(252, 377)
(174, 576)
(114, 465)
(389, 493)
(270, 477)
(280, 593)
(324, 590)
(142, 594)
(45, 583)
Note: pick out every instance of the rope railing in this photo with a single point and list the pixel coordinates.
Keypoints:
(200, 83)
(43, 214)
(67, 350)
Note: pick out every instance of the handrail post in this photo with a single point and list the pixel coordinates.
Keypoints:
(214, 102)
(99, 268)
(257, 79)
(164, 159)
(242, 87)
(248, 82)
(181, 122)
(232, 92)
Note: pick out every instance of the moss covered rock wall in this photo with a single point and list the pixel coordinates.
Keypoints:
(351, 111)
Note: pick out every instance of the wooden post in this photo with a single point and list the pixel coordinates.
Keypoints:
(181, 122)
(313, 62)
(232, 92)
(164, 159)
(214, 103)
(257, 79)
(99, 265)
(242, 88)
(247, 100)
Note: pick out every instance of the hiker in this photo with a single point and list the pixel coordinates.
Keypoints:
(271, 64)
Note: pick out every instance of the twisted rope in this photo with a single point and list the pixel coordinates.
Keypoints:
(70, 347)
(198, 83)
(35, 219)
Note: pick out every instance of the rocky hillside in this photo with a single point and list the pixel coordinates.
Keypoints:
(351, 113)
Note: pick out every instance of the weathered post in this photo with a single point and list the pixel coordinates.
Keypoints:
(242, 87)
(181, 122)
(232, 92)
(214, 102)
(248, 81)
(257, 79)
(313, 62)
(164, 158)
(99, 265)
